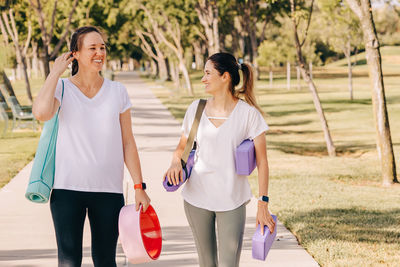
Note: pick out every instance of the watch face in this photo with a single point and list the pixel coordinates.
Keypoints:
(143, 186)
(265, 198)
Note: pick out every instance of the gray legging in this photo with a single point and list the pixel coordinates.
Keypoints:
(230, 228)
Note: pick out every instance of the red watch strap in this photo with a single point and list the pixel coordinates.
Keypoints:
(138, 186)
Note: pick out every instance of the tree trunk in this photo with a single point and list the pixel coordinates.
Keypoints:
(198, 57)
(207, 12)
(41, 68)
(158, 55)
(19, 52)
(46, 62)
(317, 103)
(175, 75)
(235, 38)
(27, 84)
(168, 69)
(185, 73)
(162, 66)
(216, 36)
(19, 68)
(270, 77)
(35, 65)
(288, 75)
(307, 78)
(153, 68)
(29, 66)
(349, 66)
(3, 32)
(254, 48)
(298, 78)
(157, 68)
(252, 32)
(163, 69)
(363, 10)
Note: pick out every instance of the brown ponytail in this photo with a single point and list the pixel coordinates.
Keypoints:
(225, 62)
(247, 90)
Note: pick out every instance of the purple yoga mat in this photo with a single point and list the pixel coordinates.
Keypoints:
(262, 243)
(189, 165)
(245, 158)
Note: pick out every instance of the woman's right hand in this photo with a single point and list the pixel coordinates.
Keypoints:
(61, 63)
(174, 173)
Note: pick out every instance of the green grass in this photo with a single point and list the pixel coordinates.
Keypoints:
(390, 60)
(335, 206)
(18, 148)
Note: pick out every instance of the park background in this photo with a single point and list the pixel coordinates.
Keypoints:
(341, 206)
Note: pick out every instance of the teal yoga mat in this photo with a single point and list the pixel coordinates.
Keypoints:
(42, 174)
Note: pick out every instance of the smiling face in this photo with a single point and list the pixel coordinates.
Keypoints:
(213, 80)
(92, 52)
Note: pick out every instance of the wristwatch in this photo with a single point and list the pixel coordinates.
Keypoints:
(140, 186)
(264, 198)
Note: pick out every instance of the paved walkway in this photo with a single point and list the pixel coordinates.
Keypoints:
(26, 230)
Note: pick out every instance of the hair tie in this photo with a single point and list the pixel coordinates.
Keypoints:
(240, 66)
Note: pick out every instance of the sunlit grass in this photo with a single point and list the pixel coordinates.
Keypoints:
(18, 148)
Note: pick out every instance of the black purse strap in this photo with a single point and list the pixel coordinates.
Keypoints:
(193, 130)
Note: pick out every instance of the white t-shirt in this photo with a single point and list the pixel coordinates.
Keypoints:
(214, 184)
(89, 153)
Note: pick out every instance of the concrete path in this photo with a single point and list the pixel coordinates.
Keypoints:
(26, 230)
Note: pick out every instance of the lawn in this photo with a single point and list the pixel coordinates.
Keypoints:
(18, 148)
(335, 206)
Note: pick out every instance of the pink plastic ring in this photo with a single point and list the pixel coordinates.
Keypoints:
(140, 234)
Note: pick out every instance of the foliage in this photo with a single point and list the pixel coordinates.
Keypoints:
(275, 53)
(338, 25)
(282, 38)
(387, 23)
(7, 57)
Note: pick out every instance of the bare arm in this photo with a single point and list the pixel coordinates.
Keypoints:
(260, 146)
(46, 105)
(263, 215)
(174, 173)
(131, 158)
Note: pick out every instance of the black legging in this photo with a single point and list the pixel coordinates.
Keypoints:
(68, 209)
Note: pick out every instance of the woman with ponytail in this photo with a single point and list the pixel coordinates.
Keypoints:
(215, 194)
(94, 140)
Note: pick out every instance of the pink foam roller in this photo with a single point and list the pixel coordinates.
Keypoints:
(261, 244)
(245, 158)
(140, 234)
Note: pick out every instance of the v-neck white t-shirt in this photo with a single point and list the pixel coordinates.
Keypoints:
(214, 184)
(89, 152)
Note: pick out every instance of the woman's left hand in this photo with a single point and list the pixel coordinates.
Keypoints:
(141, 198)
(264, 217)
